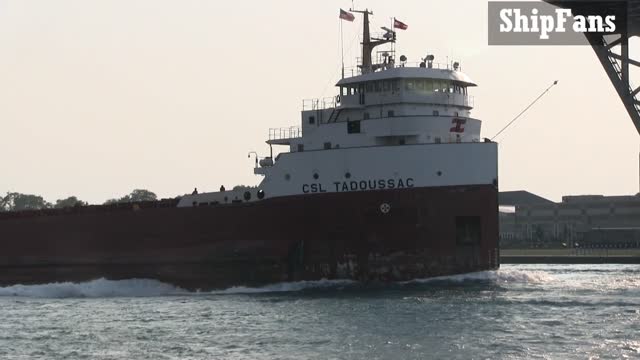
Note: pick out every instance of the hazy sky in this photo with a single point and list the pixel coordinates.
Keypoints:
(100, 97)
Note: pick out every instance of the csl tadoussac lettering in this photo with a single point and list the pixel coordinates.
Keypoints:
(375, 184)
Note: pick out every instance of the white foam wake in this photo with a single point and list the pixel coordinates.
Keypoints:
(497, 276)
(101, 288)
(94, 289)
(147, 288)
(287, 287)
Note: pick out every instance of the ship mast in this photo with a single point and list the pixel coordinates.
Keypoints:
(369, 43)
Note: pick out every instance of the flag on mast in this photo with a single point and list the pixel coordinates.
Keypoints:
(397, 24)
(345, 15)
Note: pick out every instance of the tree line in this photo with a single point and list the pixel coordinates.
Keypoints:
(15, 201)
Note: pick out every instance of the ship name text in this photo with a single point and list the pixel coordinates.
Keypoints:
(345, 186)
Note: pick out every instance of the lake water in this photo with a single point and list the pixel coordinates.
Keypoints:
(517, 312)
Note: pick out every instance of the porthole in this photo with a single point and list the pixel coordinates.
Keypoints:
(287, 177)
(439, 173)
(347, 175)
(316, 176)
(226, 199)
(260, 194)
(247, 195)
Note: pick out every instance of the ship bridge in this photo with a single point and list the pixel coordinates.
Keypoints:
(427, 84)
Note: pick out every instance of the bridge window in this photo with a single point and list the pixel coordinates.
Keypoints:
(428, 85)
(344, 91)
(378, 86)
(420, 85)
(312, 119)
(442, 86)
(394, 86)
(410, 85)
(386, 85)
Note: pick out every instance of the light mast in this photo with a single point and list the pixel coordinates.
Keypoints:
(368, 43)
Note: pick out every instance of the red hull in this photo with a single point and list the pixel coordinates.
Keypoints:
(427, 232)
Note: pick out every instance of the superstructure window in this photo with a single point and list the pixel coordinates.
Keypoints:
(312, 119)
(369, 86)
(327, 145)
(353, 127)
(366, 116)
(386, 85)
(378, 86)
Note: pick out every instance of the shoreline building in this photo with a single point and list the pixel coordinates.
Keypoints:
(584, 221)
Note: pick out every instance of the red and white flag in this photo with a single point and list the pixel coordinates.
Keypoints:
(345, 15)
(397, 24)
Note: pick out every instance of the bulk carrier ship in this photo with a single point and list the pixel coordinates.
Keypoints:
(387, 181)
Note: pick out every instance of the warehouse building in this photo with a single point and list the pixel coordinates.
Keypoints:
(585, 221)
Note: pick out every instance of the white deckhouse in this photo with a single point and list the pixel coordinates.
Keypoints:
(392, 125)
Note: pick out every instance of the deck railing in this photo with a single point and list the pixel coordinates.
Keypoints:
(291, 132)
(319, 104)
(356, 70)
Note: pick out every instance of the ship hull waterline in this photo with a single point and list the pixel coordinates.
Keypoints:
(384, 235)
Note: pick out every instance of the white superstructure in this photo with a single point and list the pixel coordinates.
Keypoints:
(391, 126)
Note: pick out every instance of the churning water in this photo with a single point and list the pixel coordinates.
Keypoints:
(520, 311)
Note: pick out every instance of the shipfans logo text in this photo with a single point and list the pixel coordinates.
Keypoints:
(540, 23)
(512, 20)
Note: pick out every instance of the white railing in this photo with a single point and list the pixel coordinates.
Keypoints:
(319, 104)
(356, 70)
(291, 132)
